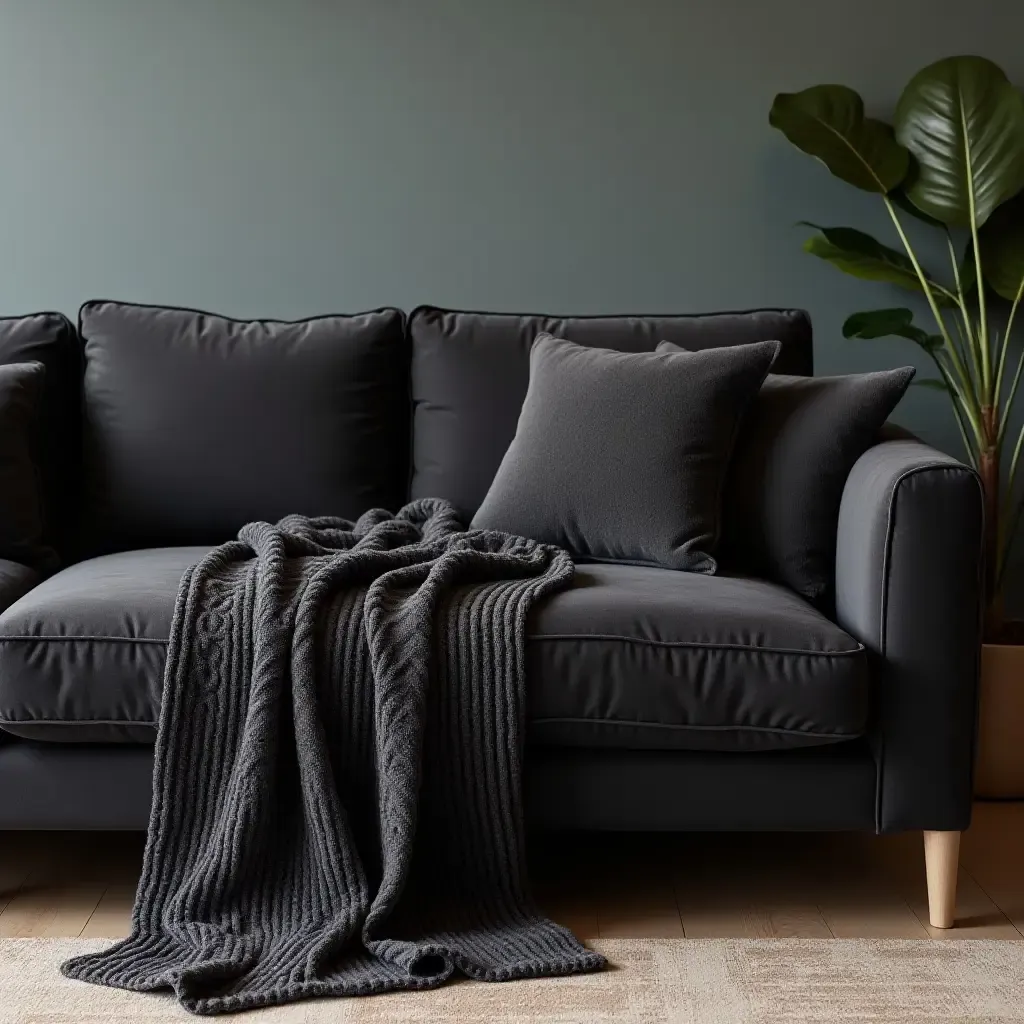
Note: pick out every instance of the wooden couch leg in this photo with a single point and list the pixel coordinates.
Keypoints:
(941, 859)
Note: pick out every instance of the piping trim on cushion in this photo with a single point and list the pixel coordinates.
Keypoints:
(710, 645)
(47, 638)
(534, 637)
(695, 727)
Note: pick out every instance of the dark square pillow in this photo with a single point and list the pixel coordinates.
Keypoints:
(51, 339)
(621, 456)
(22, 521)
(795, 450)
(470, 372)
(196, 424)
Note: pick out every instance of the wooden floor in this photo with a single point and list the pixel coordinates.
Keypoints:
(727, 885)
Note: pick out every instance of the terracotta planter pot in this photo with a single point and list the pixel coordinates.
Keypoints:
(999, 767)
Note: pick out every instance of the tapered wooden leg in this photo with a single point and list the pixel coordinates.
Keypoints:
(941, 858)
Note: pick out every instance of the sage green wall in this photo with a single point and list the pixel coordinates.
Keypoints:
(289, 157)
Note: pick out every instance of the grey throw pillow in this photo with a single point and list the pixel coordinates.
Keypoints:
(21, 503)
(621, 457)
(797, 446)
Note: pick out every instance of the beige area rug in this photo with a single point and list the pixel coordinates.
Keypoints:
(676, 981)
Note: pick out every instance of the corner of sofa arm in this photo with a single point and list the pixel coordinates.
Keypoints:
(908, 587)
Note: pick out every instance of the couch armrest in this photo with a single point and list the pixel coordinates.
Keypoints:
(908, 587)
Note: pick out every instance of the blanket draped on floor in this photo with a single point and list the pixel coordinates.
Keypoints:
(337, 805)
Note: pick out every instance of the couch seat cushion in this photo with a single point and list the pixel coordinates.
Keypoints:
(628, 657)
(82, 655)
(643, 657)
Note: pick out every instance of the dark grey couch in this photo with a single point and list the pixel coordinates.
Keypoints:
(657, 699)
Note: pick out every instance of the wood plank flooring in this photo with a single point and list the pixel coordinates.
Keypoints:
(733, 885)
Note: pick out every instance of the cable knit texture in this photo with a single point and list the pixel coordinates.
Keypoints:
(337, 800)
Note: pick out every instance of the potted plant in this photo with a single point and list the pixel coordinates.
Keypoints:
(953, 158)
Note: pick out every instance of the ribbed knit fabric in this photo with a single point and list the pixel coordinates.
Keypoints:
(337, 805)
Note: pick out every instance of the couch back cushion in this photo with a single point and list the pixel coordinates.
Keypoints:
(470, 372)
(196, 424)
(50, 339)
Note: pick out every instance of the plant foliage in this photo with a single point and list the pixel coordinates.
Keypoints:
(954, 160)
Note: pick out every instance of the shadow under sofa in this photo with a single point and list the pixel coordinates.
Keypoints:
(657, 700)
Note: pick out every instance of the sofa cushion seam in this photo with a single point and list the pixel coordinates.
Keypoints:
(697, 644)
(56, 638)
(533, 638)
(78, 721)
(679, 727)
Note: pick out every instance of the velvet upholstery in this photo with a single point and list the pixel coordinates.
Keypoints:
(50, 339)
(82, 655)
(22, 508)
(57, 785)
(612, 660)
(470, 373)
(622, 456)
(628, 657)
(908, 579)
(797, 446)
(197, 424)
(636, 657)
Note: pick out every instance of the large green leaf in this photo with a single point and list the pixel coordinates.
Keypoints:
(860, 255)
(964, 123)
(1002, 249)
(885, 323)
(828, 122)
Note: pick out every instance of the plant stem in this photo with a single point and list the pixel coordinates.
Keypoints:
(1001, 346)
(988, 463)
(964, 391)
(1010, 516)
(967, 335)
(988, 469)
(958, 414)
(1008, 404)
(986, 356)
(968, 447)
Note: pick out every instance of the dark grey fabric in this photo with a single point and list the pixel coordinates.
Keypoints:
(622, 456)
(369, 837)
(197, 424)
(56, 786)
(15, 580)
(22, 515)
(908, 586)
(637, 657)
(687, 791)
(793, 455)
(69, 787)
(470, 373)
(82, 655)
(50, 339)
(627, 656)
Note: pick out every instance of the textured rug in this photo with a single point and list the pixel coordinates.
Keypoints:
(675, 981)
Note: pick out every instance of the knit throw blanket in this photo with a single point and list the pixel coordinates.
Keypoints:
(337, 806)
